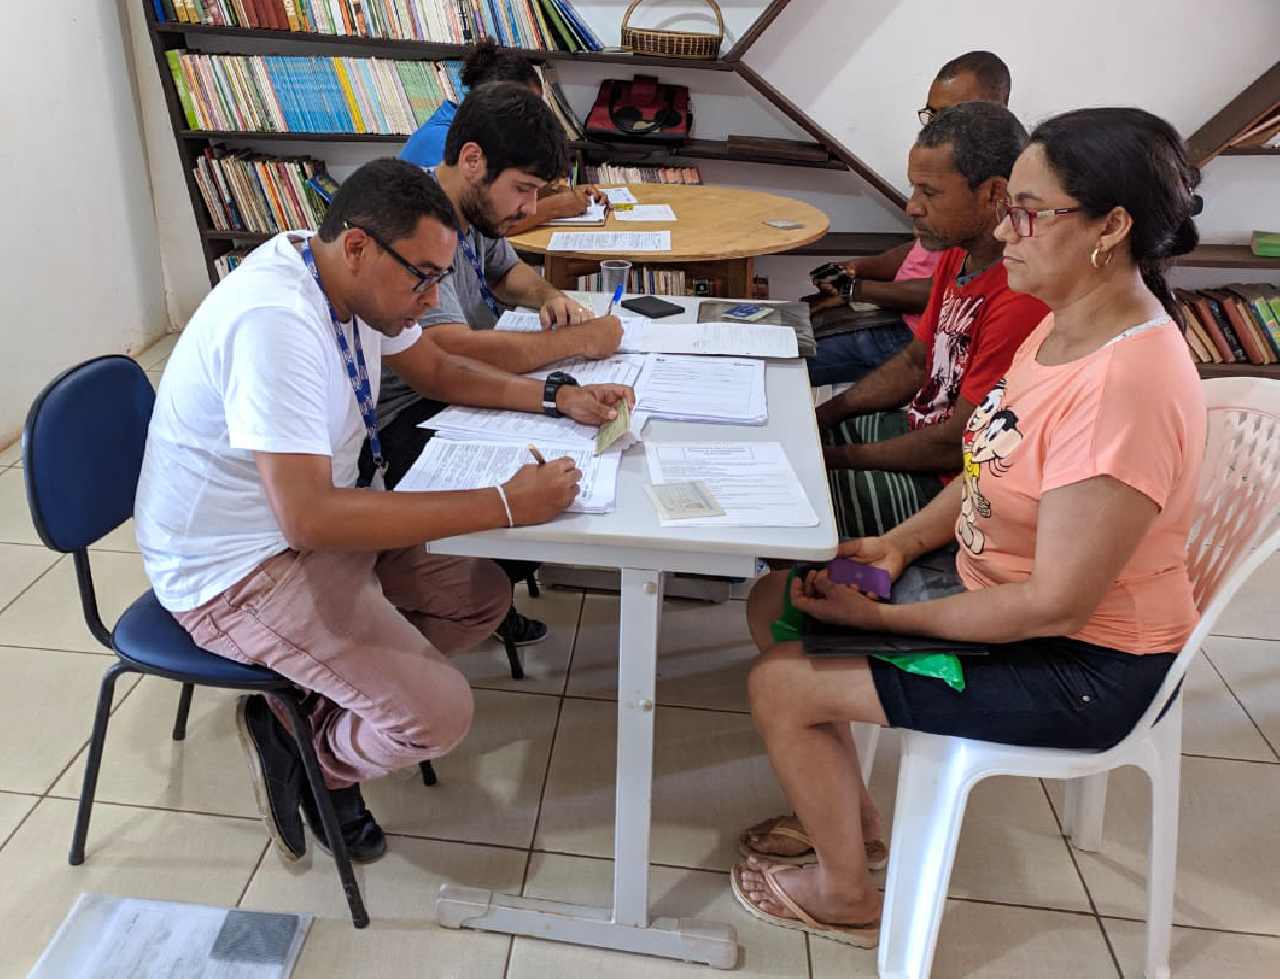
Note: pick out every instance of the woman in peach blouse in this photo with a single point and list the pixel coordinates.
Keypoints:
(1070, 518)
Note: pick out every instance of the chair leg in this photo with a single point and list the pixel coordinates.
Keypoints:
(184, 708)
(513, 654)
(865, 739)
(1084, 810)
(428, 773)
(532, 583)
(1162, 857)
(933, 789)
(328, 819)
(106, 693)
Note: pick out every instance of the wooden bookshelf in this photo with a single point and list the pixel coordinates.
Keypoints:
(1251, 151)
(1239, 370)
(1226, 257)
(697, 149)
(1238, 116)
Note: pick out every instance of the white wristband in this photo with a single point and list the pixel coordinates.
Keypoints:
(505, 505)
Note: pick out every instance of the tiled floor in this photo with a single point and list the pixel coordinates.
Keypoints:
(525, 804)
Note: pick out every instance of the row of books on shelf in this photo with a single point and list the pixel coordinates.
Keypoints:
(254, 93)
(532, 24)
(610, 173)
(655, 281)
(253, 192)
(1237, 324)
(225, 263)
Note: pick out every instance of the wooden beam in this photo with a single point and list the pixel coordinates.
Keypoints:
(753, 33)
(1238, 114)
(802, 119)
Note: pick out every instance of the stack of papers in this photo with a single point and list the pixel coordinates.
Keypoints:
(594, 214)
(446, 465)
(618, 369)
(733, 339)
(619, 195)
(753, 482)
(523, 321)
(461, 424)
(702, 389)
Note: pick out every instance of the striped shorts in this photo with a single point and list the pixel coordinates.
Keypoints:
(869, 503)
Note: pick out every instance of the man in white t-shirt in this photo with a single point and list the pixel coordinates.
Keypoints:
(254, 533)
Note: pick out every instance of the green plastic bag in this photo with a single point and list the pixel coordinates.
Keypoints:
(942, 666)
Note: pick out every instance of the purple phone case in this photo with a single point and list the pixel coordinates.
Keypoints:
(862, 576)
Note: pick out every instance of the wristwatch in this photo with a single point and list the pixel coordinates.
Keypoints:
(555, 381)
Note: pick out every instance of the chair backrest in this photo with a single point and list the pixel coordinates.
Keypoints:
(82, 450)
(1237, 519)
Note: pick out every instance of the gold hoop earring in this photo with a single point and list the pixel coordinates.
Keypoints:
(1093, 257)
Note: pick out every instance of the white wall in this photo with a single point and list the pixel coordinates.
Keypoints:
(80, 262)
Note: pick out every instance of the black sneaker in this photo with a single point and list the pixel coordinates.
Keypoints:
(276, 769)
(360, 831)
(523, 630)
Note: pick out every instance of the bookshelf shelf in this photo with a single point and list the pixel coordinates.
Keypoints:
(256, 237)
(1226, 257)
(1251, 151)
(435, 51)
(1239, 370)
(203, 135)
(700, 149)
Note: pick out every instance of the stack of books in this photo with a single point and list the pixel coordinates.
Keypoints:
(1237, 324)
(253, 93)
(254, 192)
(224, 264)
(533, 24)
(609, 173)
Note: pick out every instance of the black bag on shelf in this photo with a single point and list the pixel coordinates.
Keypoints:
(642, 110)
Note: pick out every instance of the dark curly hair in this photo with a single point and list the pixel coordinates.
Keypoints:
(486, 62)
(513, 128)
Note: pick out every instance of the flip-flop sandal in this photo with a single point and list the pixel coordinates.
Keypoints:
(860, 936)
(877, 850)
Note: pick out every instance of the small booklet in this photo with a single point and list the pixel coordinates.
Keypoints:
(683, 501)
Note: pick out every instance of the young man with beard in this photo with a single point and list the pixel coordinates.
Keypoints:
(253, 531)
(503, 147)
(898, 280)
(894, 438)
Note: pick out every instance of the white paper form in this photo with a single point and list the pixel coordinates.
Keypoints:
(457, 423)
(619, 195)
(524, 321)
(618, 369)
(610, 241)
(594, 214)
(733, 339)
(646, 212)
(712, 389)
(752, 481)
(446, 465)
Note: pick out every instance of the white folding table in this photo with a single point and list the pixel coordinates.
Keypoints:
(632, 540)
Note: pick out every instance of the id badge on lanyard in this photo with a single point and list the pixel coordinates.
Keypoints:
(356, 371)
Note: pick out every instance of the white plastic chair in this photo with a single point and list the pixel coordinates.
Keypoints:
(1237, 526)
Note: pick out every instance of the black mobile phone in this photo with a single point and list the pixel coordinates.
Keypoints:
(651, 306)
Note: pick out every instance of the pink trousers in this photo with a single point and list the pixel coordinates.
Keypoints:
(371, 634)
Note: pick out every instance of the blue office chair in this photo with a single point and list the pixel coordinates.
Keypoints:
(82, 453)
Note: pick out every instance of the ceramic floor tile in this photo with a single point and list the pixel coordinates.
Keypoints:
(764, 949)
(489, 785)
(40, 742)
(1197, 954)
(11, 455)
(20, 565)
(704, 652)
(1228, 864)
(49, 616)
(399, 890)
(143, 766)
(1010, 848)
(154, 378)
(13, 808)
(120, 539)
(711, 779)
(153, 358)
(1251, 667)
(1254, 611)
(144, 853)
(991, 942)
(546, 663)
(15, 517)
(1214, 724)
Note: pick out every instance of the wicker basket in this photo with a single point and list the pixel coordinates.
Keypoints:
(672, 44)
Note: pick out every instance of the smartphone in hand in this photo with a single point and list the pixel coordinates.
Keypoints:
(864, 577)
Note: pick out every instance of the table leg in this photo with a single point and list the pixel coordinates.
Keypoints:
(556, 270)
(627, 927)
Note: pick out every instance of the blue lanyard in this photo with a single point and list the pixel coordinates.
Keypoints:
(486, 293)
(356, 369)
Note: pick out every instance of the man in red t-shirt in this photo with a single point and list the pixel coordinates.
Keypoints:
(894, 438)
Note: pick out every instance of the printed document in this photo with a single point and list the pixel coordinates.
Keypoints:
(734, 339)
(753, 482)
(707, 389)
(610, 241)
(525, 321)
(619, 195)
(446, 465)
(594, 214)
(646, 212)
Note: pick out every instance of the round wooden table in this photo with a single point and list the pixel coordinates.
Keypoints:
(717, 233)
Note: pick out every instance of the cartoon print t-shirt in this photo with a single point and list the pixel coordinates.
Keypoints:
(972, 328)
(1133, 410)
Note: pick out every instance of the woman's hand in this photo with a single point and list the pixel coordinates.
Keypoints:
(817, 595)
(879, 552)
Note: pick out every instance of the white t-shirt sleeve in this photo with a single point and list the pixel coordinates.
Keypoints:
(275, 384)
(399, 344)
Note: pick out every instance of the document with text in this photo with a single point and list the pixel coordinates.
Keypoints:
(610, 241)
(753, 482)
(707, 389)
(646, 212)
